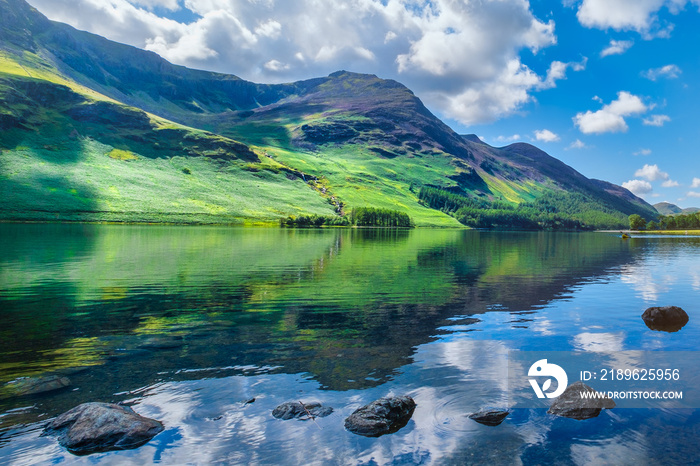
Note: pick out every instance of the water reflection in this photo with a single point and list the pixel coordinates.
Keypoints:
(323, 302)
(188, 323)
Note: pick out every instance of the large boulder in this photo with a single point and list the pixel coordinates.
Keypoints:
(297, 410)
(97, 427)
(489, 417)
(573, 405)
(383, 416)
(665, 319)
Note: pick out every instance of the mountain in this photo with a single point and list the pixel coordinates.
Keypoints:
(666, 208)
(96, 130)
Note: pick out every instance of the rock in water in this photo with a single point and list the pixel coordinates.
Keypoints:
(572, 405)
(297, 410)
(489, 417)
(35, 385)
(382, 416)
(97, 427)
(665, 319)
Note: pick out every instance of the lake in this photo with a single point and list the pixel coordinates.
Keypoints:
(188, 324)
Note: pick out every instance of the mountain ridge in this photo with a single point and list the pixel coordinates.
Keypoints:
(347, 139)
(667, 208)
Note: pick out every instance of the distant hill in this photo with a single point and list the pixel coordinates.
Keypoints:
(666, 208)
(95, 130)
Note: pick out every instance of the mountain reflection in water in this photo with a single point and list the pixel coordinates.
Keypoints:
(190, 322)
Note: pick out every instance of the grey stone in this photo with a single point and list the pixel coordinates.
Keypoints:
(383, 416)
(570, 403)
(297, 410)
(98, 427)
(489, 417)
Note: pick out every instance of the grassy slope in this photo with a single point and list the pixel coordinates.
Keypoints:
(60, 167)
(111, 169)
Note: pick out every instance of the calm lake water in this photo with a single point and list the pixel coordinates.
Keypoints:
(186, 324)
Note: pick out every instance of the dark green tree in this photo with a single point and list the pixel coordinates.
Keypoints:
(637, 222)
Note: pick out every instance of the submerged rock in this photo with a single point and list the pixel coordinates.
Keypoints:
(665, 319)
(35, 385)
(572, 405)
(162, 342)
(489, 417)
(383, 416)
(98, 427)
(297, 410)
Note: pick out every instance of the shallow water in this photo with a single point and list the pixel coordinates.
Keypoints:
(188, 323)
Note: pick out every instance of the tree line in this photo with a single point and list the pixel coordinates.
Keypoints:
(359, 216)
(551, 211)
(666, 222)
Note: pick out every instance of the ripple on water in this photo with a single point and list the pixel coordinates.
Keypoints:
(450, 412)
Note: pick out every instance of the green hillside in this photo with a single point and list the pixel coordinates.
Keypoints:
(95, 130)
(666, 208)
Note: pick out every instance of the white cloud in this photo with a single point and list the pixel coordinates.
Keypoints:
(121, 21)
(629, 15)
(577, 144)
(643, 152)
(638, 187)
(651, 173)
(557, 71)
(670, 184)
(270, 29)
(461, 58)
(696, 183)
(546, 135)
(668, 71)
(513, 138)
(656, 120)
(610, 119)
(616, 47)
(276, 65)
(693, 194)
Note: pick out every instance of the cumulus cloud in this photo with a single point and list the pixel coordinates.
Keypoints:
(638, 187)
(616, 47)
(670, 184)
(276, 65)
(656, 120)
(696, 183)
(513, 138)
(577, 144)
(693, 194)
(119, 20)
(668, 71)
(462, 58)
(611, 118)
(629, 15)
(546, 135)
(651, 173)
(557, 71)
(643, 152)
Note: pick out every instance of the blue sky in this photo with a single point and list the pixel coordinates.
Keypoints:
(610, 87)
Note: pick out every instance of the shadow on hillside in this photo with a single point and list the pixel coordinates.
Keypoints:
(45, 198)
